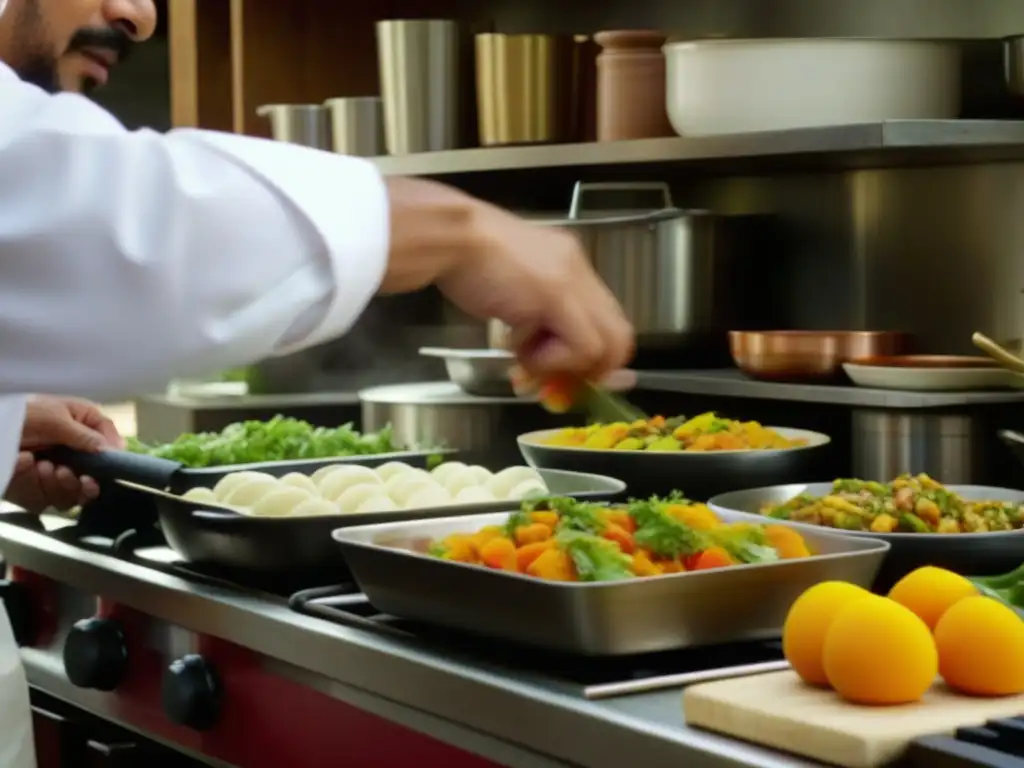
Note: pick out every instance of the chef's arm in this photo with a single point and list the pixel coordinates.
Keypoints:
(130, 258)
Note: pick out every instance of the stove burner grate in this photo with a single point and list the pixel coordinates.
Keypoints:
(600, 676)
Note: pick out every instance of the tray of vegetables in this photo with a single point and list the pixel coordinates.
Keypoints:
(963, 528)
(594, 578)
(704, 454)
(277, 447)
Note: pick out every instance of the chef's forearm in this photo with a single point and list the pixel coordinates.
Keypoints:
(431, 233)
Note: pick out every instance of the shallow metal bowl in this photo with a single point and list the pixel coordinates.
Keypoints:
(482, 372)
(978, 554)
(698, 474)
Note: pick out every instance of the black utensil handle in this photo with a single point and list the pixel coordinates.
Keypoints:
(107, 466)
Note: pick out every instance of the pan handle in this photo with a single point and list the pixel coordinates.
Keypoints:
(107, 466)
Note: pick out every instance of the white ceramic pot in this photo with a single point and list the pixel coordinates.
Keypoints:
(719, 87)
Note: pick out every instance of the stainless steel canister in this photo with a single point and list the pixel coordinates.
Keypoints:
(305, 124)
(663, 265)
(420, 84)
(357, 125)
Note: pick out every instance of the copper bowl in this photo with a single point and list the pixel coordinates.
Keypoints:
(809, 356)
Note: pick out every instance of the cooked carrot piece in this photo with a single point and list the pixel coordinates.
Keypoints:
(550, 519)
(481, 537)
(532, 533)
(787, 542)
(613, 532)
(499, 553)
(622, 519)
(554, 565)
(713, 557)
(525, 555)
(644, 566)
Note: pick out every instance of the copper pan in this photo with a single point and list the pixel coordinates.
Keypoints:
(809, 356)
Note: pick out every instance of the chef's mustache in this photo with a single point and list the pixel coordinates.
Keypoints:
(103, 38)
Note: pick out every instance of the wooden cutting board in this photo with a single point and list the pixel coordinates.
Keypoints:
(778, 710)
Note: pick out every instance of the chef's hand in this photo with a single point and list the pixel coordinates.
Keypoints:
(493, 264)
(52, 422)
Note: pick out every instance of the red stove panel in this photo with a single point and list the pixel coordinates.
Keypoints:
(249, 716)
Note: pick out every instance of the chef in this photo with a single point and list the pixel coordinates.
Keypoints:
(127, 259)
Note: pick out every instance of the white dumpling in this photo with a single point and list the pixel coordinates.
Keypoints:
(482, 474)
(298, 480)
(464, 478)
(378, 503)
(428, 496)
(502, 483)
(318, 476)
(248, 493)
(202, 495)
(339, 481)
(352, 497)
(402, 492)
(313, 507)
(528, 489)
(474, 494)
(281, 502)
(386, 471)
(442, 472)
(230, 482)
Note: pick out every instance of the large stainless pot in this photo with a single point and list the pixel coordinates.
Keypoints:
(663, 264)
(482, 429)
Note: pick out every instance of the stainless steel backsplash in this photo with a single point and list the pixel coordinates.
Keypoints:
(936, 251)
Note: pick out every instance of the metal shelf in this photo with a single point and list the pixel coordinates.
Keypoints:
(952, 136)
(729, 382)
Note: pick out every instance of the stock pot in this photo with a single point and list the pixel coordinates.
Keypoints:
(664, 264)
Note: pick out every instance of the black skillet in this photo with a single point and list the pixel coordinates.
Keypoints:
(120, 509)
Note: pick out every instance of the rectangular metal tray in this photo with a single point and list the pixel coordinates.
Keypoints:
(599, 619)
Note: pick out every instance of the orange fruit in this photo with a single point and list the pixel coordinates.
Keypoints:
(877, 652)
(981, 648)
(803, 635)
(930, 592)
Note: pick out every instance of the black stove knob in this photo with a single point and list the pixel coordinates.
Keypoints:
(192, 693)
(17, 601)
(95, 654)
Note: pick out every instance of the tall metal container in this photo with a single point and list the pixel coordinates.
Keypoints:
(305, 124)
(420, 79)
(357, 125)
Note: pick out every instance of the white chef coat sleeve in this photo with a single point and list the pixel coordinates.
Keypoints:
(129, 258)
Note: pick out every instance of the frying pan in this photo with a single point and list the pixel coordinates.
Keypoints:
(121, 508)
(208, 534)
(699, 475)
(106, 467)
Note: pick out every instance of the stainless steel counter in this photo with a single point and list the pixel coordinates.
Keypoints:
(508, 716)
(959, 139)
(729, 382)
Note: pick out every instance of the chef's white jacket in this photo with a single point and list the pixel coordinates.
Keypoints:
(127, 259)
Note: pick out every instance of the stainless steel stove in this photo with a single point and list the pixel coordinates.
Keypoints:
(134, 655)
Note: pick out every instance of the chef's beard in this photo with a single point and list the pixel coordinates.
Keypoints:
(41, 69)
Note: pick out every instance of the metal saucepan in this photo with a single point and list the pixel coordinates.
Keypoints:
(207, 534)
(978, 554)
(662, 264)
(107, 467)
(699, 475)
